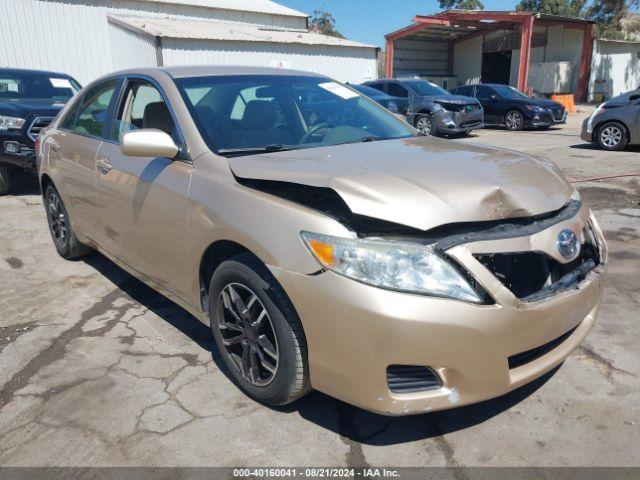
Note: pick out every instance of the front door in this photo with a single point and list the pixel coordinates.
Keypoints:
(142, 203)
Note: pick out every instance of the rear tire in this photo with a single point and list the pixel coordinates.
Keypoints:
(64, 239)
(5, 179)
(260, 340)
(612, 136)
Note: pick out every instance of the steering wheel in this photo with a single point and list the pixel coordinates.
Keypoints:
(313, 130)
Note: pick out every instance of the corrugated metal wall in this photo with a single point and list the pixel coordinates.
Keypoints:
(413, 56)
(74, 36)
(615, 68)
(68, 37)
(130, 49)
(344, 64)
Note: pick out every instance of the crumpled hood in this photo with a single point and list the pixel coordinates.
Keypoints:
(420, 182)
(452, 99)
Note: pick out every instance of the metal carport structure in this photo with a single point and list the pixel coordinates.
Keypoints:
(454, 26)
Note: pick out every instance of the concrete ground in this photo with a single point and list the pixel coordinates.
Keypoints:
(97, 369)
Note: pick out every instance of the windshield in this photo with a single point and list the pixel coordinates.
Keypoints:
(509, 92)
(239, 115)
(36, 85)
(422, 87)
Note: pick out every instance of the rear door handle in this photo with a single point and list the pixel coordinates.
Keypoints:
(104, 166)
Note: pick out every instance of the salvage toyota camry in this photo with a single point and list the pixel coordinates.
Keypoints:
(327, 244)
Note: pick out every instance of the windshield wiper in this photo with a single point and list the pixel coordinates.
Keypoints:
(251, 150)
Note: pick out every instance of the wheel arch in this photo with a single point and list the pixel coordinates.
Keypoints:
(213, 256)
(45, 181)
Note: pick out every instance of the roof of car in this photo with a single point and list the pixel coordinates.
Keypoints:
(225, 70)
(27, 70)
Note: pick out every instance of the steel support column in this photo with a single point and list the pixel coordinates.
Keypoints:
(389, 59)
(585, 63)
(525, 53)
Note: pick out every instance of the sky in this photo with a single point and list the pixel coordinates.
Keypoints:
(368, 21)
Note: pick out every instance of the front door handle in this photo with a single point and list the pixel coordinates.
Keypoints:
(104, 166)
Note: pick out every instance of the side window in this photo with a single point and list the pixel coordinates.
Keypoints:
(142, 107)
(483, 93)
(397, 90)
(90, 114)
(466, 90)
(377, 86)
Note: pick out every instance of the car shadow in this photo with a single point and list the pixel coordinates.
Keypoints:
(23, 183)
(349, 422)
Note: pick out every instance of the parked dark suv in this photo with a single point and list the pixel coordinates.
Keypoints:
(505, 106)
(29, 101)
(433, 110)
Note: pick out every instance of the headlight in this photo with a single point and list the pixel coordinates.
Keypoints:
(393, 265)
(593, 116)
(7, 123)
(437, 108)
(535, 108)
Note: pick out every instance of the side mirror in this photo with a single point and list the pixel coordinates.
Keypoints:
(148, 142)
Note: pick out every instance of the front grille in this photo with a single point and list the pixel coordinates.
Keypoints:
(535, 275)
(38, 124)
(456, 107)
(412, 378)
(529, 356)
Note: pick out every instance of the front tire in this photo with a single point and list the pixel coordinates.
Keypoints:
(424, 124)
(5, 179)
(64, 238)
(612, 136)
(257, 332)
(514, 121)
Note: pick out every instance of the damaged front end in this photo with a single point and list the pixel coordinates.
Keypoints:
(510, 250)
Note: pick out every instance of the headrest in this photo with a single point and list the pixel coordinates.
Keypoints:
(156, 115)
(259, 114)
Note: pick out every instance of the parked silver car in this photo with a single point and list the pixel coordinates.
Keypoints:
(615, 123)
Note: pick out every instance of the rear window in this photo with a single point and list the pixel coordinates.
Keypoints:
(37, 85)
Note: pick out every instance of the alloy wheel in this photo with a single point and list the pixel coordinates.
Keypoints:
(514, 121)
(611, 136)
(57, 218)
(248, 334)
(424, 125)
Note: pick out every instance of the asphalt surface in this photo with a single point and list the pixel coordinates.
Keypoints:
(98, 370)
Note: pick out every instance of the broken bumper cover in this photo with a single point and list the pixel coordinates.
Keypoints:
(355, 332)
(448, 122)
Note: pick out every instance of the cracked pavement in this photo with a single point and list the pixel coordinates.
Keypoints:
(96, 369)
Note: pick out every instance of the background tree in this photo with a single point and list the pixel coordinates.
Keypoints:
(565, 8)
(323, 22)
(462, 5)
(609, 15)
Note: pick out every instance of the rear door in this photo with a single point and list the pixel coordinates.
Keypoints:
(73, 150)
(142, 203)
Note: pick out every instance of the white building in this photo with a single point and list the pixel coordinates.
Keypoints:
(615, 68)
(89, 38)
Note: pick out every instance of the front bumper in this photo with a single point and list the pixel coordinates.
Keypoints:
(547, 119)
(354, 332)
(452, 123)
(585, 134)
(24, 158)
